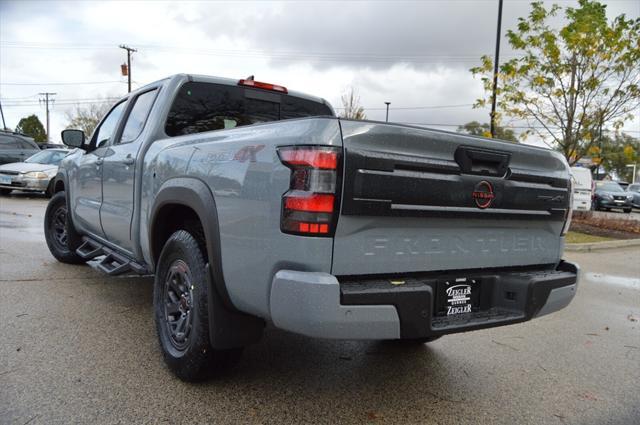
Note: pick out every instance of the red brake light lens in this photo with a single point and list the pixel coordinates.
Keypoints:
(310, 205)
(313, 203)
(264, 86)
(324, 159)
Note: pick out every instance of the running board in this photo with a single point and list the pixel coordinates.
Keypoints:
(113, 262)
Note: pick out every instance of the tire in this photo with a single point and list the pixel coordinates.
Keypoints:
(627, 210)
(180, 300)
(62, 239)
(5, 192)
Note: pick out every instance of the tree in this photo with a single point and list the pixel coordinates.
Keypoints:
(87, 117)
(569, 83)
(32, 127)
(476, 129)
(351, 106)
(616, 153)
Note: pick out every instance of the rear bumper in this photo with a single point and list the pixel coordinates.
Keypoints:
(320, 305)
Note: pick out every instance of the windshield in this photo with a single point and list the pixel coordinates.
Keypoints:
(609, 186)
(47, 157)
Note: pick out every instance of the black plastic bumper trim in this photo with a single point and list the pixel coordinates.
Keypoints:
(506, 297)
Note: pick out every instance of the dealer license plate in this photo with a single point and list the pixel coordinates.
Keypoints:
(5, 179)
(457, 296)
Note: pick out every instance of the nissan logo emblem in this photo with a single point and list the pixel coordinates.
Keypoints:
(483, 194)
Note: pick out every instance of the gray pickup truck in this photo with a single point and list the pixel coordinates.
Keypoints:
(251, 204)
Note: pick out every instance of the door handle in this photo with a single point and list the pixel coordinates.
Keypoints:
(128, 160)
(99, 161)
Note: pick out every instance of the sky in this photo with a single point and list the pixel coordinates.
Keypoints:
(415, 55)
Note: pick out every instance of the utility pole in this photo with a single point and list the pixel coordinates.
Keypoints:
(46, 101)
(387, 103)
(129, 51)
(4, 124)
(496, 62)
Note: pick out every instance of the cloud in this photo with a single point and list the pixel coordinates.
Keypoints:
(408, 53)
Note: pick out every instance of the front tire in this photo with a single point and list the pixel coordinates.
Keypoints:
(59, 233)
(5, 192)
(180, 299)
(627, 210)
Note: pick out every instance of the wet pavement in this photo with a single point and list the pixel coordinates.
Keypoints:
(80, 347)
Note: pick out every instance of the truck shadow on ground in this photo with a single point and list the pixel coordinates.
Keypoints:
(285, 371)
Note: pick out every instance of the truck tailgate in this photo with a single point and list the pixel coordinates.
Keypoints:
(424, 200)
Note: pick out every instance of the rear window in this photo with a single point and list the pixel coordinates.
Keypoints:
(202, 107)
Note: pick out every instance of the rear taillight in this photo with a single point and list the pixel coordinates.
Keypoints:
(310, 206)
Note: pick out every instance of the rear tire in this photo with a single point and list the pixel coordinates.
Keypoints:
(62, 239)
(5, 192)
(627, 210)
(180, 300)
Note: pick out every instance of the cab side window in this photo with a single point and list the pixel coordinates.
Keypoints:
(138, 116)
(104, 135)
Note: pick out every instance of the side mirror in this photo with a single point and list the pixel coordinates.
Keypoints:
(73, 138)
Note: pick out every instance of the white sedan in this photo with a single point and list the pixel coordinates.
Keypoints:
(35, 174)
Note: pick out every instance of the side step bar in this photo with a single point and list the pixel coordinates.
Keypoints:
(113, 263)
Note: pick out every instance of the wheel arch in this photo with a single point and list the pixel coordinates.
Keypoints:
(59, 183)
(190, 196)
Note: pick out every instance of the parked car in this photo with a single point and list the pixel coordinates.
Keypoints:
(44, 146)
(623, 184)
(15, 147)
(610, 195)
(35, 174)
(252, 203)
(634, 190)
(582, 188)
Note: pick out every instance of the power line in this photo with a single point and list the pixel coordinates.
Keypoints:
(30, 105)
(66, 83)
(280, 55)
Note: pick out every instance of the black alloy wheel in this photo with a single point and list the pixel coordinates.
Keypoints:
(178, 302)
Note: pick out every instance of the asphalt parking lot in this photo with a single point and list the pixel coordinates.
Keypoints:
(80, 347)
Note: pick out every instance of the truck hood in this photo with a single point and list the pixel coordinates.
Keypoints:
(25, 167)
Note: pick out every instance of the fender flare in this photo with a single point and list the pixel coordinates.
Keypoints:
(60, 176)
(195, 194)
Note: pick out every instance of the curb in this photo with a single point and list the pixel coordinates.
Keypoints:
(594, 246)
